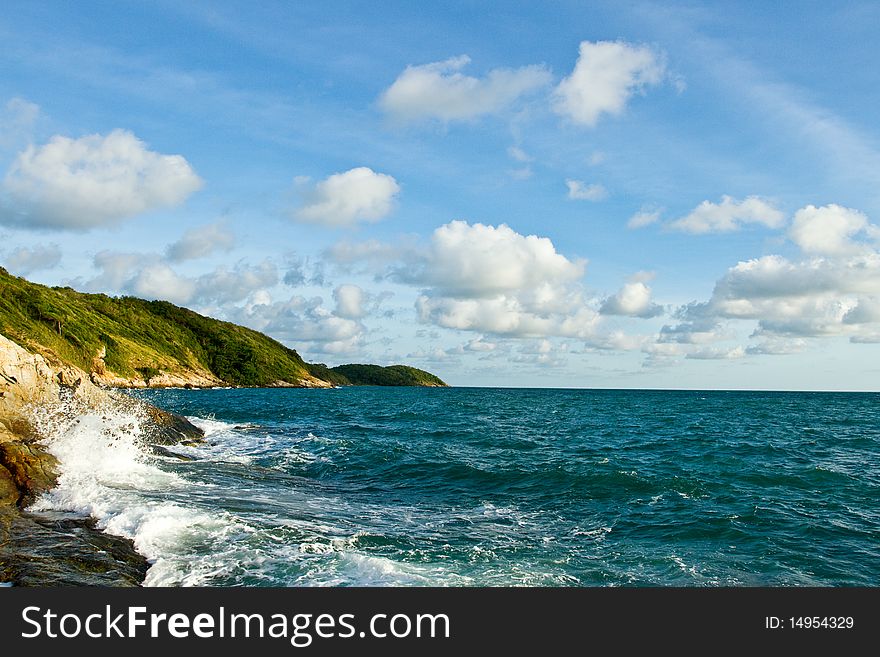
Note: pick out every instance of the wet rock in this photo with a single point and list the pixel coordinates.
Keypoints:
(167, 428)
(62, 550)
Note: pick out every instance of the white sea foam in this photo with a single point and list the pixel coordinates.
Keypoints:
(210, 425)
(107, 473)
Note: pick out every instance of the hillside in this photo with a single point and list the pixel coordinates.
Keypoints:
(130, 342)
(395, 375)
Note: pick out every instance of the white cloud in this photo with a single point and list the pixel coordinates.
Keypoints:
(828, 230)
(632, 300)
(831, 292)
(494, 280)
(202, 241)
(114, 269)
(542, 353)
(643, 218)
(618, 341)
(698, 331)
(225, 286)
(729, 215)
(149, 276)
(159, 281)
(350, 301)
(580, 191)
(813, 294)
(78, 184)
(299, 320)
(344, 199)
(480, 345)
(866, 311)
(23, 260)
(440, 91)
(476, 260)
(716, 353)
(777, 347)
(241, 294)
(605, 77)
(658, 354)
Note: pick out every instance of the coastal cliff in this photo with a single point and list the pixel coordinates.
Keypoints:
(37, 393)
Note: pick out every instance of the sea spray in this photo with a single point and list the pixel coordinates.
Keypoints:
(106, 471)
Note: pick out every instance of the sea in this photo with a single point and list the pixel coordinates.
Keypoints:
(370, 486)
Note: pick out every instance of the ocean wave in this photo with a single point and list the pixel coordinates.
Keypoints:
(106, 472)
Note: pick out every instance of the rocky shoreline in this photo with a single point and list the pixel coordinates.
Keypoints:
(60, 549)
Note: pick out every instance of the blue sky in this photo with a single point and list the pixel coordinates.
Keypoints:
(566, 194)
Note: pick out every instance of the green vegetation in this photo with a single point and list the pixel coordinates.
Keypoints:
(143, 339)
(395, 375)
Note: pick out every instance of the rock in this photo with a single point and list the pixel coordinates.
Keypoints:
(169, 429)
(63, 550)
(30, 468)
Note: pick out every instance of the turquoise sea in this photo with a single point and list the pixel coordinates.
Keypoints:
(486, 487)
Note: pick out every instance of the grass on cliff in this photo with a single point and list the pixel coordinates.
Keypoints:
(144, 338)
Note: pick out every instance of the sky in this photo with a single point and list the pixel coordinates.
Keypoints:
(566, 194)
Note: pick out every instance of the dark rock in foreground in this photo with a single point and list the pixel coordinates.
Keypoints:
(63, 550)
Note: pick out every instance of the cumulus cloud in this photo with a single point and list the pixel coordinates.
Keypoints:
(346, 198)
(23, 260)
(77, 184)
(632, 300)
(807, 297)
(350, 301)
(831, 291)
(497, 282)
(605, 77)
(580, 191)
(729, 215)
(828, 230)
(202, 241)
(159, 281)
(441, 91)
(482, 261)
(494, 280)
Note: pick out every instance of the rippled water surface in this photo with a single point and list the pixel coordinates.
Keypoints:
(467, 486)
